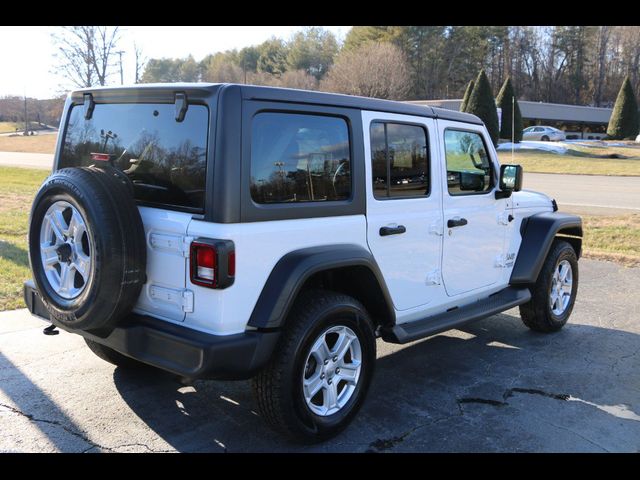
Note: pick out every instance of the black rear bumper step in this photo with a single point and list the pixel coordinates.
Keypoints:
(175, 348)
(503, 300)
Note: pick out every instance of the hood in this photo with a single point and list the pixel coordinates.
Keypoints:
(529, 198)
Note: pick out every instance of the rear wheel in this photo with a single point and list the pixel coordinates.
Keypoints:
(87, 248)
(545, 138)
(320, 372)
(554, 293)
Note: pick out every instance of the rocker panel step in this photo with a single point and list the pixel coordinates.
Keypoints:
(499, 302)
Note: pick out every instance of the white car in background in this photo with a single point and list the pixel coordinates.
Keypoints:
(541, 132)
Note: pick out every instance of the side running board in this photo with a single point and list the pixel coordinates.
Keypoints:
(498, 302)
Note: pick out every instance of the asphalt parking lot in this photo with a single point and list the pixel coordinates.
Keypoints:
(494, 387)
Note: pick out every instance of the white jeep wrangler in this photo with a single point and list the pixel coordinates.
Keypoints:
(234, 232)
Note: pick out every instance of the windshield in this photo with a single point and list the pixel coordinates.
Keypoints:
(165, 159)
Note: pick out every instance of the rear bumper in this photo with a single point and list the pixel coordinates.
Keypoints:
(178, 349)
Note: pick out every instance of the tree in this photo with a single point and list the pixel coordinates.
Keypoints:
(467, 94)
(299, 79)
(221, 68)
(141, 60)
(377, 70)
(360, 34)
(273, 56)
(85, 54)
(482, 104)
(312, 50)
(624, 118)
(161, 70)
(508, 102)
(188, 70)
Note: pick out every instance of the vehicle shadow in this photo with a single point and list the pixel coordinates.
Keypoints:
(14, 254)
(493, 386)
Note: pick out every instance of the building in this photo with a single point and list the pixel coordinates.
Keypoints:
(576, 121)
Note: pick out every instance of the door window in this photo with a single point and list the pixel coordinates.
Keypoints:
(400, 160)
(468, 165)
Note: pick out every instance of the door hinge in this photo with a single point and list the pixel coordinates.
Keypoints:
(180, 298)
(434, 277)
(437, 228)
(179, 244)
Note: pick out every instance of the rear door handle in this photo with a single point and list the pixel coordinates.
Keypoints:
(385, 231)
(456, 222)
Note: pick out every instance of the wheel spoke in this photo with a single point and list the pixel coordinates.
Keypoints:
(81, 265)
(331, 396)
(49, 255)
(312, 386)
(563, 274)
(66, 278)
(342, 345)
(50, 219)
(349, 372)
(76, 225)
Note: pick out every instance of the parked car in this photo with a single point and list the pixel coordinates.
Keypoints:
(232, 232)
(543, 133)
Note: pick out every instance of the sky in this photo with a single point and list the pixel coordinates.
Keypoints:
(28, 52)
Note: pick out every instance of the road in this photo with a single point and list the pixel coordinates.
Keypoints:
(494, 387)
(581, 193)
(590, 193)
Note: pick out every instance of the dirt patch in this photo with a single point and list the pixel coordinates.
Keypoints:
(14, 202)
(30, 144)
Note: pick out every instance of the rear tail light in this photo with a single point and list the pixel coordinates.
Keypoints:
(100, 157)
(213, 263)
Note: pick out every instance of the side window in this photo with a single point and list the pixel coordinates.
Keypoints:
(299, 158)
(399, 160)
(468, 164)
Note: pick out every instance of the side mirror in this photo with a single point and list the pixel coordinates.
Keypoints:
(510, 178)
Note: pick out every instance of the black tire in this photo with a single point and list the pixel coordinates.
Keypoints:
(110, 355)
(278, 387)
(545, 138)
(119, 250)
(537, 314)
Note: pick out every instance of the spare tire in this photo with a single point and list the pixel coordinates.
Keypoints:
(87, 247)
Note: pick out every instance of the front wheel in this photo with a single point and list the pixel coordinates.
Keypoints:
(545, 138)
(321, 370)
(554, 293)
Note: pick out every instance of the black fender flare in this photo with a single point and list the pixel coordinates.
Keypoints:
(292, 270)
(538, 232)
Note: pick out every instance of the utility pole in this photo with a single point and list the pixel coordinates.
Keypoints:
(119, 53)
(26, 123)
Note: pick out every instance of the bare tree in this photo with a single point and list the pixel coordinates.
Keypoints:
(85, 54)
(374, 70)
(141, 60)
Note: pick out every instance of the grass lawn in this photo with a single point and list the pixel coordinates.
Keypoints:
(577, 162)
(8, 127)
(31, 143)
(17, 188)
(615, 238)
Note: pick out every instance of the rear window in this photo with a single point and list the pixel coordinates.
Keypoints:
(299, 158)
(165, 159)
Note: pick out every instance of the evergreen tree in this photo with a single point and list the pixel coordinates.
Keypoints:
(482, 104)
(467, 94)
(504, 101)
(623, 123)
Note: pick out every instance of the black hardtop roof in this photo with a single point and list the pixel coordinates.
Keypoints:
(275, 94)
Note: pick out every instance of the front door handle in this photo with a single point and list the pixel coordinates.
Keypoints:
(385, 231)
(456, 222)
